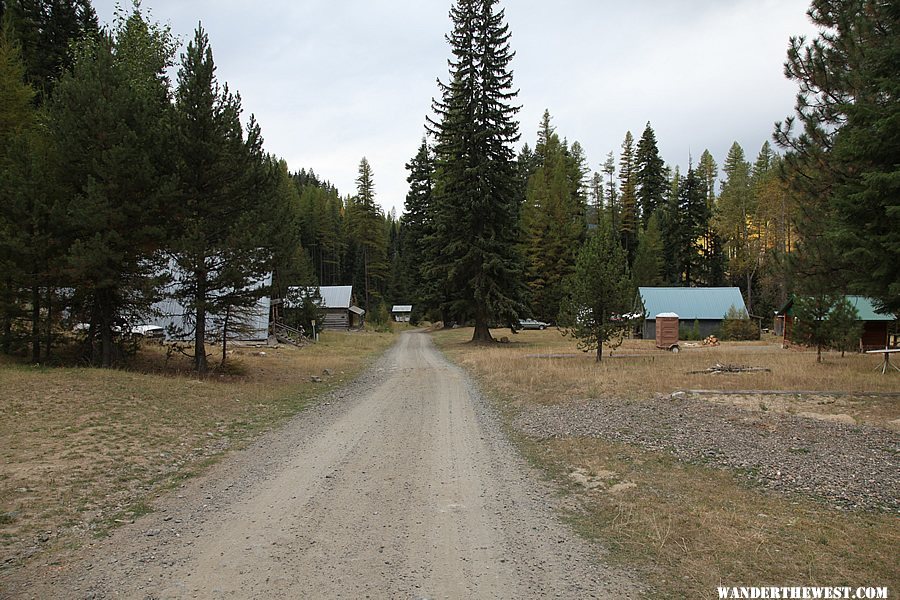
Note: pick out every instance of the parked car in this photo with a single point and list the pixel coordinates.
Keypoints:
(532, 324)
(154, 332)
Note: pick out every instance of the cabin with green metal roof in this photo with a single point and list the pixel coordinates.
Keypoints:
(877, 326)
(707, 306)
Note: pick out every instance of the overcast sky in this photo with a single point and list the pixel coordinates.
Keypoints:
(331, 81)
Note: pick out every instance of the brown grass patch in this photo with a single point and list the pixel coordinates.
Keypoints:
(689, 528)
(84, 448)
(544, 367)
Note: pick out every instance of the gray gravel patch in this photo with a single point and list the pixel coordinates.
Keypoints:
(846, 466)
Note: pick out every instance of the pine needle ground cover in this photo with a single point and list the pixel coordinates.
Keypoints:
(84, 449)
(688, 526)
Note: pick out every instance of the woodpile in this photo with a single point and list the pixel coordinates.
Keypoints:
(711, 341)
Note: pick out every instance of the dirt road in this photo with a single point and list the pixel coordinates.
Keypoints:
(400, 486)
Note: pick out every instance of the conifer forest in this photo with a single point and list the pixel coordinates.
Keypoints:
(130, 172)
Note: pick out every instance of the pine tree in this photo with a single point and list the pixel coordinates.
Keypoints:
(735, 212)
(599, 294)
(714, 271)
(225, 183)
(688, 224)
(112, 177)
(708, 171)
(477, 208)
(21, 146)
(843, 164)
(553, 221)
(291, 264)
(595, 209)
(649, 175)
(647, 269)
(365, 221)
(628, 226)
(49, 31)
(417, 227)
(669, 221)
(612, 194)
(811, 320)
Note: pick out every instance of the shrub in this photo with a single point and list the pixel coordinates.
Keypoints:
(689, 334)
(380, 319)
(738, 326)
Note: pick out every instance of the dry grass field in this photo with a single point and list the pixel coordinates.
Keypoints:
(545, 367)
(690, 527)
(82, 449)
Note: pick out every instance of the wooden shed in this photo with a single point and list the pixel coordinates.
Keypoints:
(337, 301)
(876, 326)
(401, 313)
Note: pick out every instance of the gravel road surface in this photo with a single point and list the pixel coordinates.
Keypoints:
(401, 485)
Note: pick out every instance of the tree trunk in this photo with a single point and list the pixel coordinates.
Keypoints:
(7, 316)
(749, 293)
(48, 342)
(599, 352)
(200, 362)
(225, 335)
(35, 324)
(366, 268)
(105, 314)
(482, 333)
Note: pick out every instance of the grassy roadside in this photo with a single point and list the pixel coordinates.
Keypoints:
(84, 449)
(688, 528)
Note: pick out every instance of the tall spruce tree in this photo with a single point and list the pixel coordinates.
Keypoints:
(225, 181)
(476, 202)
(365, 222)
(843, 165)
(417, 226)
(650, 175)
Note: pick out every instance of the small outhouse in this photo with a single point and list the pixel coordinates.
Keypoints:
(667, 331)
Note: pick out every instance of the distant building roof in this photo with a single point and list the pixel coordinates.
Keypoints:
(401, 308)
(691, 303)
(336, 296)
(333, 296)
